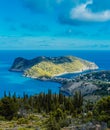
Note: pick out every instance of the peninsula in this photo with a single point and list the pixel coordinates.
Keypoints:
(49, 67)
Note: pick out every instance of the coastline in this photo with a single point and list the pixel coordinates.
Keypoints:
(6, 82)
(59, 79)
(74, 72)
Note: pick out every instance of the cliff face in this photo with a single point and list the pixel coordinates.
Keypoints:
(51, 66)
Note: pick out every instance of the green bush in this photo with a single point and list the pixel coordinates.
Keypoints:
(101, 111)
(22, 121)
(64, 123)
(22, 129)
(53, 125)
(2, 118)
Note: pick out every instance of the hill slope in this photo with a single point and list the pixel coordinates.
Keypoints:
(90, 84)
(51, 66)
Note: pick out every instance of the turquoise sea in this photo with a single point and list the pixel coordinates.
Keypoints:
(15, 82)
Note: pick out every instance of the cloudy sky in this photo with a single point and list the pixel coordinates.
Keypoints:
(55, 24)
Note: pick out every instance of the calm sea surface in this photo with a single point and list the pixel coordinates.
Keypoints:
(15, 82)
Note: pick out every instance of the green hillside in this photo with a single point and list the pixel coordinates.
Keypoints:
(50, 68)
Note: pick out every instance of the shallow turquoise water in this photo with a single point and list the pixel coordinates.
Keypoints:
(15, 82)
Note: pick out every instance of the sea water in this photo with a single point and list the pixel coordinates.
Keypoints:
(15, 82)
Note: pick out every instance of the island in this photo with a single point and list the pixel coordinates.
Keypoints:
(48, 67)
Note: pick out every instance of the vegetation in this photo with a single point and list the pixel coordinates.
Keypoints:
(51, 111)
(50, 68)
(100, 79)
(96, 76)
(102, 110)
(8, 107)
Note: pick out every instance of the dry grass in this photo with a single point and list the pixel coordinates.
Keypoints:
(50, 69)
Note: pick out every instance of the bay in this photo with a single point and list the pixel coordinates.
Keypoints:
(15, 83)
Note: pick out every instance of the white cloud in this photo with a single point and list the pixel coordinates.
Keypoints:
(81, 12)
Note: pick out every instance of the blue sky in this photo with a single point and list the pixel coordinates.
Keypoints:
(55, 24)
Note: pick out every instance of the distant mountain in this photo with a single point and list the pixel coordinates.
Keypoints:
(48, 67)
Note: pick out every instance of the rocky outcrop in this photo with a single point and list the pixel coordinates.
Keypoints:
(86, 88)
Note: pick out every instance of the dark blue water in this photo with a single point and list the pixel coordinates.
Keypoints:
(15, 82)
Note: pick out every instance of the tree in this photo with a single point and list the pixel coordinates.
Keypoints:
(102, 109)
(8, 108)
(56, 119)
(59, 115)
(78, 101)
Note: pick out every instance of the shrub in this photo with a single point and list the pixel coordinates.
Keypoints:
(22, 121)
(8, 108)
(102, 112)
(2, 118)
(22, 129)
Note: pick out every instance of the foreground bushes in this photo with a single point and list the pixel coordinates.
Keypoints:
(102, 110)
(8, 108)
(57, 107)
